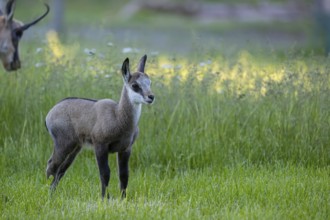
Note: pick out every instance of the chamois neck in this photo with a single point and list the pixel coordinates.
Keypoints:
(128, 112)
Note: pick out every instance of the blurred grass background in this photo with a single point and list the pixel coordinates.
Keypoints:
(295, 26)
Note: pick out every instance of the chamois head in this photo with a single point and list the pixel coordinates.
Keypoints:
(138, 83)
(11, 32)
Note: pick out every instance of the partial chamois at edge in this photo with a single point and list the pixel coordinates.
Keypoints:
(11, 31)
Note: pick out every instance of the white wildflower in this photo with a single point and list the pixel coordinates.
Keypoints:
(204, 63)
(154, 53)
(90, 51)
(39, 65)
(167, 66)
(130, 50)
(39, 49)
(101, 55)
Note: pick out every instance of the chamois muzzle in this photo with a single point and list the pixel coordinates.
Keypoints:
(150, 99)
(15, 65)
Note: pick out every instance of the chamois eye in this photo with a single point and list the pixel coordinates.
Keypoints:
(17, 34)
(135, 87)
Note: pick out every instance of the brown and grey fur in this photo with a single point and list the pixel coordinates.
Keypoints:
(11, 31)
(109, 126)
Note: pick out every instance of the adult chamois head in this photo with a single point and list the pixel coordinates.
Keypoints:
(11, 32)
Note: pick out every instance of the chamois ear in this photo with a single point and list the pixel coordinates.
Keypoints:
(142, 63)
(10, 7)
(125, 70)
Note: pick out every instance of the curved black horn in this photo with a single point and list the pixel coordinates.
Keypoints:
(26, 26)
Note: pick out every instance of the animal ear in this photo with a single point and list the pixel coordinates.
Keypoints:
(10, 7)
(142, 63)
(125, 70)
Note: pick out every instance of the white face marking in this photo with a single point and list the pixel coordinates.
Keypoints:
(6, 47)
(137, 100)
(5, 42)
(142, 96)
(135, 97)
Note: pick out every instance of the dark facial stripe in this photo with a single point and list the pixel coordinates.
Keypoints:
(15, 40)
(16, 56)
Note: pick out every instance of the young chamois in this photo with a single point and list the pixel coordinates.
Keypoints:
(11, 32)
(109, 126)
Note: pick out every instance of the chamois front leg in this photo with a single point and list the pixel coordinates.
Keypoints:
(123, 158)
(101, 153)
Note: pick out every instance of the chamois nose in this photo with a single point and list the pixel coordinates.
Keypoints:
(151, 97)
(11, 66)
(15, 65)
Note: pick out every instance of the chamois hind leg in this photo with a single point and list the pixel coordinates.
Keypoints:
(51, 167)
(55, 160)
(65, 165)
(101, 153)
(61, 152)
(123, 158)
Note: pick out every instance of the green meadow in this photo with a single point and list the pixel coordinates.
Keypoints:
(233, 134)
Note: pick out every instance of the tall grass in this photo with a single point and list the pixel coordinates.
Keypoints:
(228, 137)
